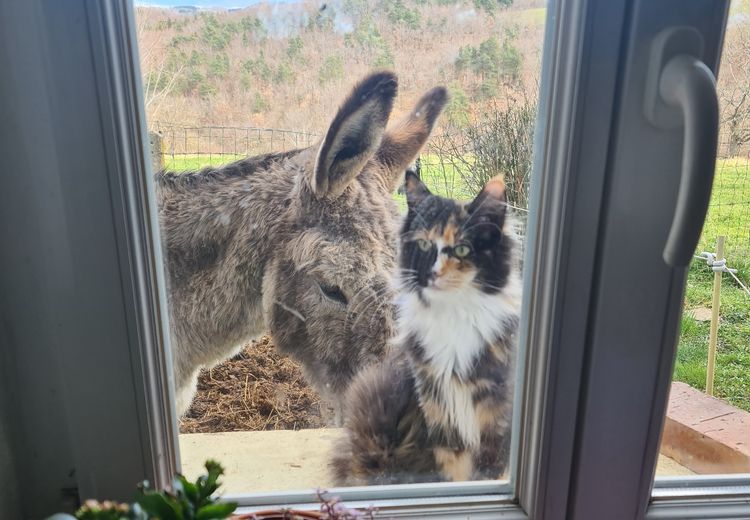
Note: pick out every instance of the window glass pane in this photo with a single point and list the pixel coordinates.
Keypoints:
(344, 286)
(707, 429)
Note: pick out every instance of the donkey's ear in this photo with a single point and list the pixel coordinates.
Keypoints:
(402, 143)
(355, 134)
(491, 201)
(415, 189)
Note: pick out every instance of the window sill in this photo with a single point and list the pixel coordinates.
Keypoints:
(280, 460)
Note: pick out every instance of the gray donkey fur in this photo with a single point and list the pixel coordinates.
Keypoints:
(300, 244)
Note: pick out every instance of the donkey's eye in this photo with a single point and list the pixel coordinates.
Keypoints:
(462, 251)
(334, 293)
(424, 245)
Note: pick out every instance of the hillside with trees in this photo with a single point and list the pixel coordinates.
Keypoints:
(289, 65)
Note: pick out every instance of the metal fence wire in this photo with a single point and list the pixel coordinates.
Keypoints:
(193, 147)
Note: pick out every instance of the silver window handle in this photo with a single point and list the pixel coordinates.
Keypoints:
(687, 83)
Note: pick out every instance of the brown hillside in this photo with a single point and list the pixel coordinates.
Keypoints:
(289, 65)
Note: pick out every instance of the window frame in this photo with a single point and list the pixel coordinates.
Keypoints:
(113, 30)
(569, 194)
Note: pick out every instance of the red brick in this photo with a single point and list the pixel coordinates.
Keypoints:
(706, 434)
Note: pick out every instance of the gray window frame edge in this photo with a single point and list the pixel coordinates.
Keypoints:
(550, 417)
(121, 95)
(570, 199)
(82, 318)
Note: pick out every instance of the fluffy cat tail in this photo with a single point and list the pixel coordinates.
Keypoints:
(385, 440)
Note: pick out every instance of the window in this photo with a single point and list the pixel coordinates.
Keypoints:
(300, 271)
(86, 304)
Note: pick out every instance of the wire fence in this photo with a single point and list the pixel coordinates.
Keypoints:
(729, 212)
(446, 161)
(193, 147)
(446, 165)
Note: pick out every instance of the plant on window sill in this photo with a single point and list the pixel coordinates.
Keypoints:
(196, 501)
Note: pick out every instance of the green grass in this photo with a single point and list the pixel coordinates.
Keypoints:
(534, 16)
(732, 185)
(185, 162)
(443, 180)
(739, 7)
(732, 375)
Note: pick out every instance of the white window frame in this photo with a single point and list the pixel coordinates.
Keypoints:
(556, 473)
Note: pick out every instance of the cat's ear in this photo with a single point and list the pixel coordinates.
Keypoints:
(403, 142)
(491, 201)
(415, 189)
(355, 134)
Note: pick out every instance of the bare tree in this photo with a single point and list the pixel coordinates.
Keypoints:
(497, 141)
(734, 88)
(160, 74)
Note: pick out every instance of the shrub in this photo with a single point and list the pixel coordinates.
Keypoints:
(492, 63)
(294, 49)
(366, 36)
(190, 80)
(457, 111)
(207, 90)
(252, 30)
(498, 141)
(258, 66)
(510, 58)
(490, 6)
(215, 33)
(219, 65)
(260, 104)
(384, 57)
(331, 70)
(399, 13)
(180, 39)
(284, 74)
(501, 142)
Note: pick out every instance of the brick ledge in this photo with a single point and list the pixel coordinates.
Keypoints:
(705, 434)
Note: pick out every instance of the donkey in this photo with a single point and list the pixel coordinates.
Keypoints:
(299, 244)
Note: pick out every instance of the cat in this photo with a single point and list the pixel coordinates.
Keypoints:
(438, 408)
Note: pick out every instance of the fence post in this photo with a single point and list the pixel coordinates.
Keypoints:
(713, 335)
(156, 152)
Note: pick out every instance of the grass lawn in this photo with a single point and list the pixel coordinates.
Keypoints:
(185, 162)
(729, 215)
(440, 179)
(732, 376)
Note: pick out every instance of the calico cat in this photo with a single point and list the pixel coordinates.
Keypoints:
(439, 406)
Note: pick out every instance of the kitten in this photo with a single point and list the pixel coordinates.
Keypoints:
(439, 407)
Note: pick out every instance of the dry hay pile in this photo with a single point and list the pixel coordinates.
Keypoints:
(259, 389)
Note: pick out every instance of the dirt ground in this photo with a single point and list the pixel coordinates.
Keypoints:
(259, 389)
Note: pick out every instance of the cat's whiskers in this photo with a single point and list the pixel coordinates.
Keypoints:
(377, 310)
(358, 303)
(361, 306)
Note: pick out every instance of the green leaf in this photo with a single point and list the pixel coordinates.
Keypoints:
(216, 511)
(187, 487)
(157, 505)
(207, 485)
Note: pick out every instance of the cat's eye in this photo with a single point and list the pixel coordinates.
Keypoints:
(424, 245)
(334, 293)
(461, 251)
